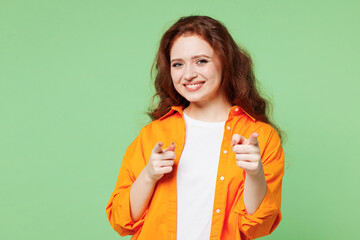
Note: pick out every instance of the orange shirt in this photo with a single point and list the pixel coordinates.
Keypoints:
(229, 219)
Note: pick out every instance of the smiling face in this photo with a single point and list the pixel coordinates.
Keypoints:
(196, 70)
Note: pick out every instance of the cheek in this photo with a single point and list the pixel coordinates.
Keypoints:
(211, 73)
(217, 74)
(176, 76)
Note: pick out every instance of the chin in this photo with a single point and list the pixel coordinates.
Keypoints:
(195, 100)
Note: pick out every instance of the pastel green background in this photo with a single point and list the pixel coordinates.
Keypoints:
(75, 84)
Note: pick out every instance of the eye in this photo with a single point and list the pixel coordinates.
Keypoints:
(201, 61)
(176, 64)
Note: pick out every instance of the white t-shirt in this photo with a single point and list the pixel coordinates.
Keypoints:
(196, 178)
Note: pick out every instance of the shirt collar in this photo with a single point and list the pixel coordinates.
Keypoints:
(234, 111)
(173, 109)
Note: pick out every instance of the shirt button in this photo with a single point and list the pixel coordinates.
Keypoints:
(218, 210)
(225, 152)
(222, 178)
(228, 128)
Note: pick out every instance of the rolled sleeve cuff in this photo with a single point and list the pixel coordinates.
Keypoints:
(263, 221)
(122, 221)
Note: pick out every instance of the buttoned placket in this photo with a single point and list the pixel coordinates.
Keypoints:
(220, 194)
(172, 218)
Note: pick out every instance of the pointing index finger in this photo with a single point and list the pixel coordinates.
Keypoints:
(157, 148)
(253, 139)
(171, 148)
(237, 139)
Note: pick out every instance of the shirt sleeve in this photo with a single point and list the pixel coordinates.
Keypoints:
(267, 217)
(118, 207)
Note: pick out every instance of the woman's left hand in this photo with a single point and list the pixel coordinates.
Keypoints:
(247, 153)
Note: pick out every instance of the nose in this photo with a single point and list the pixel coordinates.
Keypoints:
(190, 73)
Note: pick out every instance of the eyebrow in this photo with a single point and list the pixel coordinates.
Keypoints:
(193, 57)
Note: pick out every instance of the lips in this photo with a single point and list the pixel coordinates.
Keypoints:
(192, 87)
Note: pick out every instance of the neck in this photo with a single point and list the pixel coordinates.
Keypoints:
(214, 112)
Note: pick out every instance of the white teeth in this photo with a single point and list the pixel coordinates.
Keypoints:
(193, 85)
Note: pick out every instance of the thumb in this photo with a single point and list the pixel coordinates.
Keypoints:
(237, 139)
(171, 148)
(253, 139)
(157, 148)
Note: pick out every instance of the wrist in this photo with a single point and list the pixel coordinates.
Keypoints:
(147, 177)
(258, 174)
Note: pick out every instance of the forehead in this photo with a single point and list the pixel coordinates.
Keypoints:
(190, 45)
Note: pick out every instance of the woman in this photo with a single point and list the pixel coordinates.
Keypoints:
(210, 164)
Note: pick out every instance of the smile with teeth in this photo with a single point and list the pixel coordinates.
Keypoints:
(193, 86)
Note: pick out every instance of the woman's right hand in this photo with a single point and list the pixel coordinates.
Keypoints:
(160, 162)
